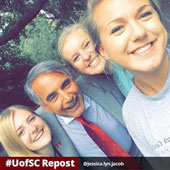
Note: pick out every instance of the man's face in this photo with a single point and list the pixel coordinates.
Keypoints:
(60, 94)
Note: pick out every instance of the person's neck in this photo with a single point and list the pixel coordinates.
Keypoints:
(47, 151)
(108, 68)
(153, 82)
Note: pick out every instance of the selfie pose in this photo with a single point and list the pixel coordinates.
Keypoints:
(23, 133)
(135, 38)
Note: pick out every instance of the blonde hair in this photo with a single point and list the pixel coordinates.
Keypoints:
(8, 136)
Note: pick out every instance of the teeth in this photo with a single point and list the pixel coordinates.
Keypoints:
(93, 62)
(38, 136)
(143, 49)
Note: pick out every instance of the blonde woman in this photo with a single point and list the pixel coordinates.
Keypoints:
(135, 38)
(77, 48)
(23, 133)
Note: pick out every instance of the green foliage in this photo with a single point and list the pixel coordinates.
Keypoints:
(37, 42)
(40, 42)
(13, 72)
(66, 11)
(11, 11)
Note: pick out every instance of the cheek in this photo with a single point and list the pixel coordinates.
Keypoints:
(114, 47)
(26, 141)
(76, 89)
(73, 88)
(156, 27)
(91, 49)
(56, 107)
(163, 33)
(79, 66)
(40, 122)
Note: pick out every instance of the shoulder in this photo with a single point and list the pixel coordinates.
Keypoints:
(99, 78)
(104, 91)
(100, 82)
(47, 116)
(39, 111)
(130, 103)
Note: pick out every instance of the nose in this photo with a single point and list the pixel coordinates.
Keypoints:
(138, 32)
(65, 95)
(32, 129)
(85, 55)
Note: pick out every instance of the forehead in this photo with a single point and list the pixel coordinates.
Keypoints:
(20, 115)
(116, 8)
(45, 79)
(47, 82)
(78, 33)
(74, 40)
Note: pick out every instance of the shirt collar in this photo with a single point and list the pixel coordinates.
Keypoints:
(67, 120)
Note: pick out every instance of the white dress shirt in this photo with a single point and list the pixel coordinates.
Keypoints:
(94, 113)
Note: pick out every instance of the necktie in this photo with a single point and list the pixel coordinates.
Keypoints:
(104, 141)
(107, 144)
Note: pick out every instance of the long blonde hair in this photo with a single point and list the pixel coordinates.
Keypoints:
(8, 136)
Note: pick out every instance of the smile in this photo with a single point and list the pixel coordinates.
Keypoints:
(93, 62)
(143, 49)
(38, 135)
(73, 103)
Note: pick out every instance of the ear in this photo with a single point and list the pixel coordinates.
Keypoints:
(102, 52)
(46, 108)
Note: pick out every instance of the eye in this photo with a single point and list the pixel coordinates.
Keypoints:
(53, 97)
(87, 44)
(32, 118)
(145, 14)
(20, 133)
(116, 29)
(65, 84)
(76, 57)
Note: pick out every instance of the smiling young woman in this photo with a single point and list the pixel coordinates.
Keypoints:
(135, 38)
(77, 48)
(23, 133)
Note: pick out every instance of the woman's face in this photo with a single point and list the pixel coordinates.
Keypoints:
(79, 51)
(131, 33)
(31, 129)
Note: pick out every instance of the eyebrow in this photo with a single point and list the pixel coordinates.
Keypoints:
(85, 40)
(50, 95)
(64, 83)
(27, 119)
(17, 131)
(81, 45)
(121, 18)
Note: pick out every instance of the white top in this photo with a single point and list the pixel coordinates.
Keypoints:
(148, 120)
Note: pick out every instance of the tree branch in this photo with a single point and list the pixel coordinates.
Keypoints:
(24, 20)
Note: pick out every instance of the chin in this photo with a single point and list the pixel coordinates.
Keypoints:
(79, 112)
(98, 71)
